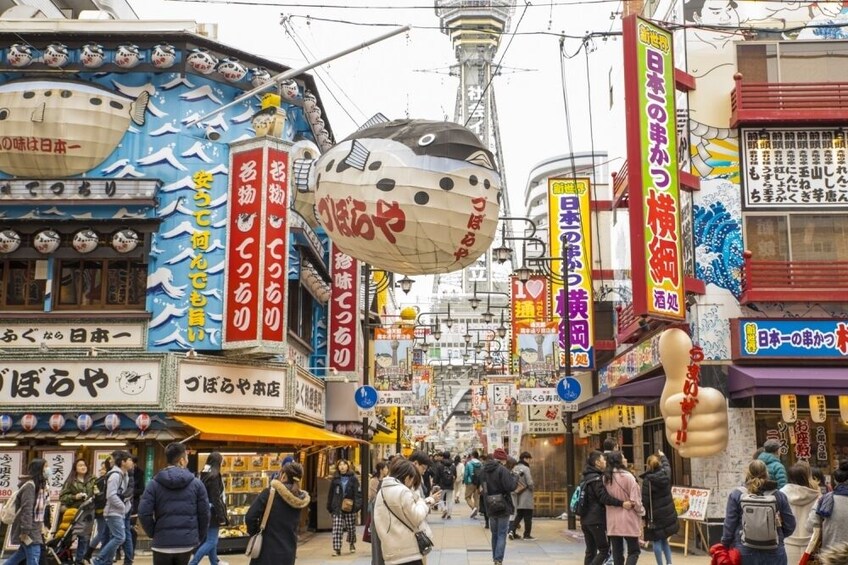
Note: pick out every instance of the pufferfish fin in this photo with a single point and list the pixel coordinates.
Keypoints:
(358, 156)
(376, 119)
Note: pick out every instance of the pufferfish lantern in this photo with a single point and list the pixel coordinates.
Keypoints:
(409, 196)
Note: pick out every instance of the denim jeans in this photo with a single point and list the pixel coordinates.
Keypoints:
(82, 548)
(102, 535)
(117, 534)
(499, 527)
(661, 548)
(754, 557)
(208, 548)
(29, 554)
(129, 550)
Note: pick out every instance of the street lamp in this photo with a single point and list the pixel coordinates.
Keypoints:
(437, 333)
(503, 253)
(502, 328)
(405, 284)
(523, 273)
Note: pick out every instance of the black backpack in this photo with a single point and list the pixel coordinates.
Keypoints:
(476, 476)
(448, 477)
(101, 484)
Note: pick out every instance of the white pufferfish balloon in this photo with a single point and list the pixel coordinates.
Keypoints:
(409, 196)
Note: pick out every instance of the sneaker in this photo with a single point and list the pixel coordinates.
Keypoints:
(337, 552)
(498, 562)
(511, 535)
(352, 548)
(474, 513)
(222, 562)
(445, 515)
(529, 537)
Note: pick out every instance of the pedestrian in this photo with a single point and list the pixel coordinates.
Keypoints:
(126, 552)
(279, 540)
(484, 458)
(31, 506)
(523, 497)
(381, 471)
(593, 519)
(624, 526)
(818, 475)
(659, 505)
(459, 486)
(769, 456)
(343, 502)
(774, 520)
(830, 513)
(102, 532)
(174, 510)
(802, 492)
(116, 508)
(210, 476)
(79, 488)
(399, 512)
(446, 478)
(497, 484)
(471, 482)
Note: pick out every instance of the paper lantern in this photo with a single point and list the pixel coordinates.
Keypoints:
(232, 69)
(289, 90)
(85, 241)
(409, 196)
(112, 422)
(843, 409)
(5, 423)
(142, 422)
(202, 61)
(92, 55)
(28, 422)
(84, 422)
(10, 241)
(20, 55)
(789, 408)
(56, 422)
(818, 408)
(46, 241)
(127, 56)
(125, 241)
(259, 76)
(56, 55)
(164, 56)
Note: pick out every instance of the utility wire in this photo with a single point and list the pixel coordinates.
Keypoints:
(592, 156)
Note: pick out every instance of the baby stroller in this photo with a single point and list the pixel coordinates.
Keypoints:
(60, 549)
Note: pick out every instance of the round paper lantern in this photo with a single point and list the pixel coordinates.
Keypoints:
(84, 422)
(20, 54)
(56, 55)
(164, 56)
(231, 69)
(28, 422)
(125, 240)
(142, 422)
(5, 423)
(10, 240)
(85, 241)
(92, 55)
(46, 241)
(409, 196)
(202, 61)
(56, 422)
(112, 422)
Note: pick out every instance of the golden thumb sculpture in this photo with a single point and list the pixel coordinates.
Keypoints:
(695, 417)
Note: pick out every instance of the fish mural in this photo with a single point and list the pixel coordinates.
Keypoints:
(80, 123)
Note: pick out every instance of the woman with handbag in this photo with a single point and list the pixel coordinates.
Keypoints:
(623, 526)
(661, 518)
(210, 476)
(802, 492)
(400, 516)
(343, 502)
(273, 519)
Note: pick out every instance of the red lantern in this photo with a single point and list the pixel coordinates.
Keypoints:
(57, 422)
(28, 422)
(142, 422)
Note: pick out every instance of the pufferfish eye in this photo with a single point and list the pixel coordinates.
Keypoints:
(4, 113)
(426, 139)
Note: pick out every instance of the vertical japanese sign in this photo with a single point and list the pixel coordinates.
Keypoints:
(530, 306)
(344, 306)
(257, 247)
(654, 207)
(569, 219)
(11, 466)
(61, 463)
(200, 242)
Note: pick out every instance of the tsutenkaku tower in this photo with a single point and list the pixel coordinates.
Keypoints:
(475, 28)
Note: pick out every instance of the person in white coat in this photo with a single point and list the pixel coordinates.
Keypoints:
(399, 512)
(802, 492)
(458, 487)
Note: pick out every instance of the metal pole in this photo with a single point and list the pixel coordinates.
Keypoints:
(569, 432)
(397, 423)
(365, 447)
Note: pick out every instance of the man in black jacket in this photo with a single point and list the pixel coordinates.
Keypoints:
(594, 521)
(174, 510)
(497, 484)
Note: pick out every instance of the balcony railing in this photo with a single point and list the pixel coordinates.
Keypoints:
(627, 323)
(620, 181)
(764, 103)
(793, 281)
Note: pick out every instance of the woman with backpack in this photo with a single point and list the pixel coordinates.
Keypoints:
(758, 518)
(830, 513)
(210, 476)
(661, 518)
(77, 490)
(802, 492)
(446, 478)
(31, 504)
(623, 526)
(343, 502)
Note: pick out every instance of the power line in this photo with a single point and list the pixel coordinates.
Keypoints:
(592, 156)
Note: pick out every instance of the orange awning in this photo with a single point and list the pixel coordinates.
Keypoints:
(257, 430)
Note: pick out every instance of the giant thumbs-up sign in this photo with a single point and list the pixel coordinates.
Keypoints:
(695, 417)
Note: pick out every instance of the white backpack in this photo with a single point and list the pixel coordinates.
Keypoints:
(8, 512)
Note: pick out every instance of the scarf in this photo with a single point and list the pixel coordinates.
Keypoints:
(38, 507)
(825, 509)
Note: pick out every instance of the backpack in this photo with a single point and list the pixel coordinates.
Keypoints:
(8, 513)
(101, 483)
(475, 475)
(760, 520)
(449, 475)
(579, 499)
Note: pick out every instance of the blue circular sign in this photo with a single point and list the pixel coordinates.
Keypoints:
(568, 388)
(366, 397)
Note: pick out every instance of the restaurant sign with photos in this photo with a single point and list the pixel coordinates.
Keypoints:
(790, 168)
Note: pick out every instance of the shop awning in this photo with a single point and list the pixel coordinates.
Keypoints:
(642, 392)
(744, 382)
(256, 430)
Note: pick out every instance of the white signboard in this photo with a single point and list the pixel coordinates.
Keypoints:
(309, 398)
(11, 468)
(93, 381)
(230, 386)
(419, 426)
(90, 190)
(794, 168)
(545, 419)
(515, 429)
(85, 335)
(61, 464)
(537, 396)
(396, 398)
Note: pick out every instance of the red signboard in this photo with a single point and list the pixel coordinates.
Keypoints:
(344, 306)
(244, 236)
(276, 243)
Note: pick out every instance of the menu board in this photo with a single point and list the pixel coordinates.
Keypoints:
(691, 502)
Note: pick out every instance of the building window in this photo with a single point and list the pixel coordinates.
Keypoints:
(20, 288)
(793, 61)
(797, 237)
(117, 284)
(300, 311)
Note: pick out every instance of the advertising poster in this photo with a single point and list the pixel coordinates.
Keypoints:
(690, 502)
(538, 360)
(393, 366)
(61, 464)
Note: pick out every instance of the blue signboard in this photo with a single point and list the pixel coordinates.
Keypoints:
(365, 397)
(569, 389)
(790, 338)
